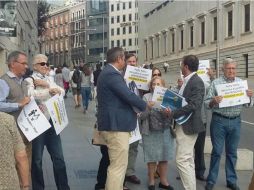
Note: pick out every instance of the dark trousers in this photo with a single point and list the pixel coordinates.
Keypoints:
(54, 147)
(199, 154)
(103, 167)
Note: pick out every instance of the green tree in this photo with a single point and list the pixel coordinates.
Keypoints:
(43, 10)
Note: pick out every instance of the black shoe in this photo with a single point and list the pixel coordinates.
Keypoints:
(151, 187)
(209, 186)
(168, 187)
(178, 178)
(201, 177)
(233, 186)
(132, 179)
(99, 186)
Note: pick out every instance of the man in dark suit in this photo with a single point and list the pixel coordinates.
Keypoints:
(116, 117)
(193, 91)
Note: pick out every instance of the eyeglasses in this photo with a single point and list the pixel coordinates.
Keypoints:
(22, 63)
(156, 74)
(43, 64)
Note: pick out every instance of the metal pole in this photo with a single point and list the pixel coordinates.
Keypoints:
(103, 40)
(218, 41)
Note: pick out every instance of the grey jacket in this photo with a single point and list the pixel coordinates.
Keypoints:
(193, 93)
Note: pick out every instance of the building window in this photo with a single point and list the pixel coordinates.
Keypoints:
(173, 42)
(151, 48)
(230, 23)
(123, 5)
(202, 32)
(191, 36)
(118, 43)
(215, 28)
(117, 6)
(112, 20)
(112, 44)
(118, 19)
(130, 42)
(118, 31)
(130, 17)
(124, 30)
(247, 18)
(145, 49)
(165, 43)
(130, 29)
(130, 5)
(124, 42)
(124, 18)
(112, 32)
(181, 39)
(112, 7)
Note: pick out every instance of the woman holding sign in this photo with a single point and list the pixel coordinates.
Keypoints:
(158, 145)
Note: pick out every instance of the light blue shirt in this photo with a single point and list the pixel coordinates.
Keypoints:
(4, 92)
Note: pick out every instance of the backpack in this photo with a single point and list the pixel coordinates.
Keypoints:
(76, 77)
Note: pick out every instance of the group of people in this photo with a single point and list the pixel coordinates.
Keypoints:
(21, 155)
(120, 110)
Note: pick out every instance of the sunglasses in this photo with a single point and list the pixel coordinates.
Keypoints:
(156, 74)
(43, 64)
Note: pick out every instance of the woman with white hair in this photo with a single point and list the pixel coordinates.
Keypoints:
(42, 88)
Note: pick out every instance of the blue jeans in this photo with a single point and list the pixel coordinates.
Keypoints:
(54, 147)
(224, 131)
(85, 93)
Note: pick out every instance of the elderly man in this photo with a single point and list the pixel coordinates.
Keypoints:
(42, 88)
(13, 98)
(13, 151)
(225, 128)
(116, 117)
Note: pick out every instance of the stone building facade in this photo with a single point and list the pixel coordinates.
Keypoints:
(26, 39)
(171, 29)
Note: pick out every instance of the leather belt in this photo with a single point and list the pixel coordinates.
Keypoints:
(226, 117)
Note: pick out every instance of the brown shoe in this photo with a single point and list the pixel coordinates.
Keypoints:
(132, 179)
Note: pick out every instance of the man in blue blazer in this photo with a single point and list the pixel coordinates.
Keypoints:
(116, 116)
(193, 91)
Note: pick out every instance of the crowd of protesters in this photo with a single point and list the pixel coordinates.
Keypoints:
(120, 109)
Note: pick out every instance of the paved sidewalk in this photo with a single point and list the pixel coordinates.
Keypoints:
(82, 158)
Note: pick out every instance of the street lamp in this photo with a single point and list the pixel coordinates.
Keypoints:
(103, 31)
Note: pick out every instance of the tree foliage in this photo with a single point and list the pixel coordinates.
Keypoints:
(43, 10)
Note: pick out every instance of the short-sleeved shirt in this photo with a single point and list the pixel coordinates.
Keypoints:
(10, 142)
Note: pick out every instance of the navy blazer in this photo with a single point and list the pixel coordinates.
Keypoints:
(193, 93)
(116, 102)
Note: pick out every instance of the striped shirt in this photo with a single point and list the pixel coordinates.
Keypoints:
(232, 111)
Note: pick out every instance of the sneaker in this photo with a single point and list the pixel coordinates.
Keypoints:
(233, 186)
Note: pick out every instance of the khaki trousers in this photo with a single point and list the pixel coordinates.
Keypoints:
(251, 186)
(118, 147)
(185, 159)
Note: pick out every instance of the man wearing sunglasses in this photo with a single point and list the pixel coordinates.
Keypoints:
(42, 88)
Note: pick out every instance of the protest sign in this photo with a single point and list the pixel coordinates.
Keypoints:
(203, 67)
(233, 93)
(57, 112)
(158, 96)
(32, 121)
(140, 76)
(135, 135)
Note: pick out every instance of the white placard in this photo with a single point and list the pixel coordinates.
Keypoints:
(203, 67)
(158, 96)
(233, 93)
(139, 75)
(32, 121)
(57, 112)
(135, 135)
